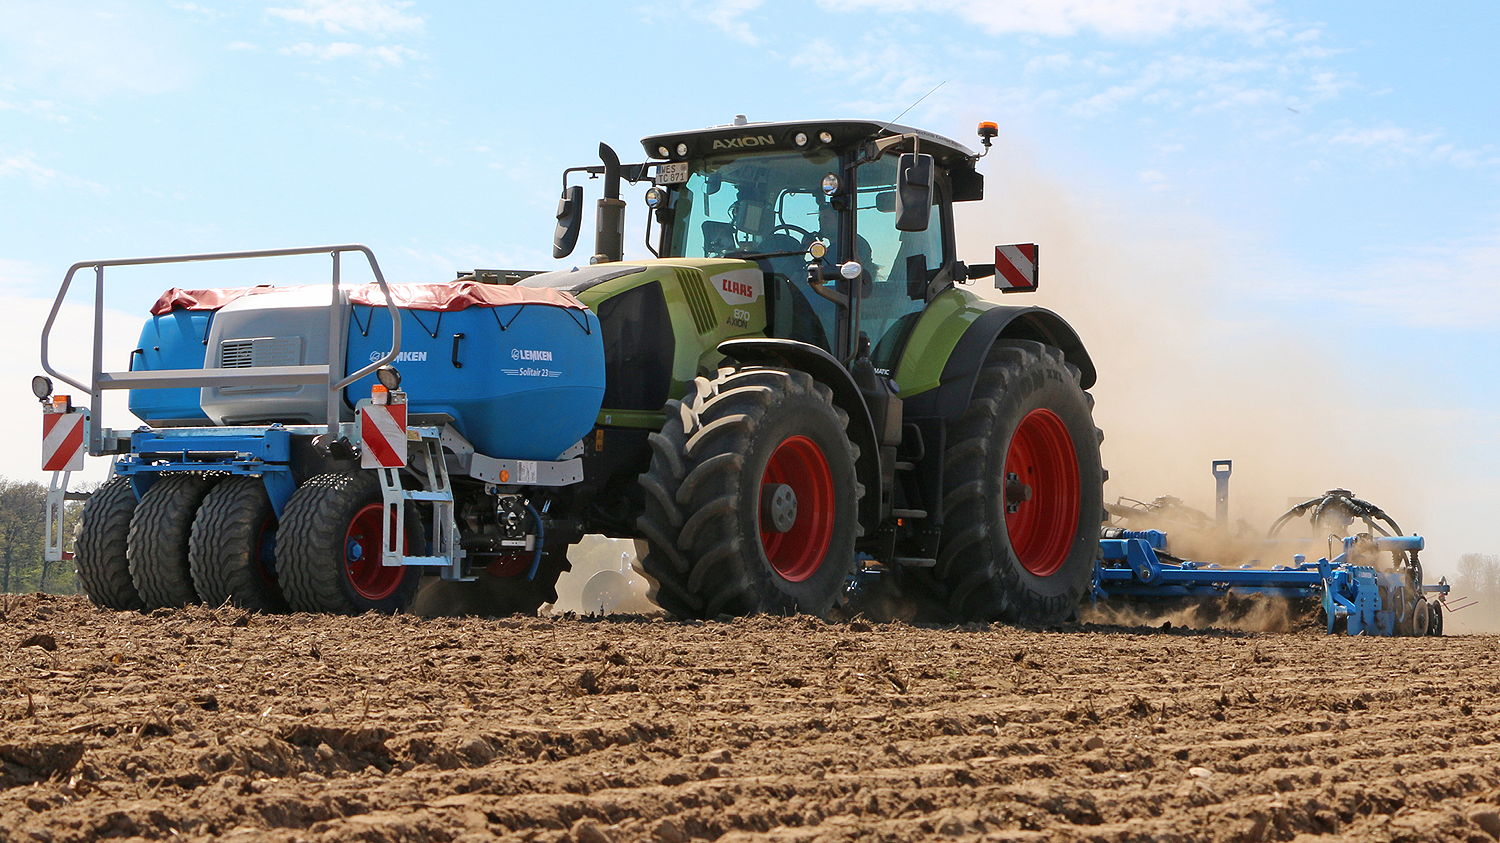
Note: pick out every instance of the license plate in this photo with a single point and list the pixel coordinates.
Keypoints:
(672, 172)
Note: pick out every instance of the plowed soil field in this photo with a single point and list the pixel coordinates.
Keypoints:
(201, 723)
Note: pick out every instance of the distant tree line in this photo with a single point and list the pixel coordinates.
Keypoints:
(1478, 577)
(23, 567)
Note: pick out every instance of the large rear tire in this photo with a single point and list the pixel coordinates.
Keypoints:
(230, 553)
(1023, 490)
(751, 498)
(159, 535)
(103, 535)
(328, 549)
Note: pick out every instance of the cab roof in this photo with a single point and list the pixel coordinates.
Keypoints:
(768, 137)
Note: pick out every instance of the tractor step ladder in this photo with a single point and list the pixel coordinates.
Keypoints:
(430, 465)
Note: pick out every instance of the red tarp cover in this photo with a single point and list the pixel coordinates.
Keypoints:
(180, 299)
(457, 295)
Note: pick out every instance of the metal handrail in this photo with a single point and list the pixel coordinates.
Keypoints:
(101, 380)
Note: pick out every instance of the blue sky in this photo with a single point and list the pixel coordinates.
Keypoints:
(1226, 193)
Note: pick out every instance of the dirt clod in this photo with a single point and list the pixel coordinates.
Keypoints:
(41, 639)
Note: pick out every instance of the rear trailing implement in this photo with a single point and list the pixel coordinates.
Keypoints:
(1373, 585)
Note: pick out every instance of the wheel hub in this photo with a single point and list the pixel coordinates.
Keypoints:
(1017, 492)
(778, 507)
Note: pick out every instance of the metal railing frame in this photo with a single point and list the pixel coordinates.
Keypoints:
(101, 380)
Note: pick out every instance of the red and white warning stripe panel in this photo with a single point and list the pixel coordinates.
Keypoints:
(1015, 268)
(382, 431)
(62, 441)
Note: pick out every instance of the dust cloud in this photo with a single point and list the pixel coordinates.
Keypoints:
(1195, 364)
(1188, 372)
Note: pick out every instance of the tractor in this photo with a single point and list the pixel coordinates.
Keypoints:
(795, 394)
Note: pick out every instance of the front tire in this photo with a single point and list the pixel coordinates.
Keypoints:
(1023, 490)
(328, 549)
(751, 498)
(103, 536)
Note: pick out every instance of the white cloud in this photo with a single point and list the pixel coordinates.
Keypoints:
(1108, 18)
(1391, 145)
(1154, 180)
(24, 165)
(380, 18)
(70, 52)
(727, 16)
(69, 356)
(391, 55)
(1453, 285)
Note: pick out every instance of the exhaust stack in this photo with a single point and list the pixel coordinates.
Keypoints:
(609, 229)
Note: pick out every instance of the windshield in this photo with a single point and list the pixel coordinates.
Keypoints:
(753, 204)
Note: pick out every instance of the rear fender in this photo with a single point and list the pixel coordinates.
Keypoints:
(961, 369)
(826, 369)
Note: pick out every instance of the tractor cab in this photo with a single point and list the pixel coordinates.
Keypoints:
(825, 209)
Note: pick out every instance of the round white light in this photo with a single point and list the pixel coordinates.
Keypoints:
(663, 151)
(825, 137)
(682, 149)
(800, 139)
(851, 270)
(655, 196)
(830, 184)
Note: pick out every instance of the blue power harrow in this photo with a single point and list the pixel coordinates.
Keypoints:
(1359, 596)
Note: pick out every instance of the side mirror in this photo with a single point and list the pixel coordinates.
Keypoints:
(569, 221)
(914, 191)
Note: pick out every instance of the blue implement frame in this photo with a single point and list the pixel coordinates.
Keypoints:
(1359, 599)
(264, 452)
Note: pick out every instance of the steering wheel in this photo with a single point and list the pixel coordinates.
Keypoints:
(808, 237)
(804, 233)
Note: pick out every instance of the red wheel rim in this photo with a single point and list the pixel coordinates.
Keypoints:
(362, 544)
(798, 553)
(1041, 524)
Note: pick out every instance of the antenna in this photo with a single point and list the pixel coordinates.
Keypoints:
(913, 105)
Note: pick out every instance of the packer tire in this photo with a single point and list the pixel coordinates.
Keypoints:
(229, 550)
(1032, 564)
(316, 564)
(710, 549)
(159, 534)
(103, 536)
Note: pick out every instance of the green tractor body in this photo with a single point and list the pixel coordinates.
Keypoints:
(807, 277)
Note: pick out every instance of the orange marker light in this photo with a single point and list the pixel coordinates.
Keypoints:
(504, 476)
(61, 403)
(379, 394)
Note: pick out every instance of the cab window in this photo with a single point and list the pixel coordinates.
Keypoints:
(899, 263)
